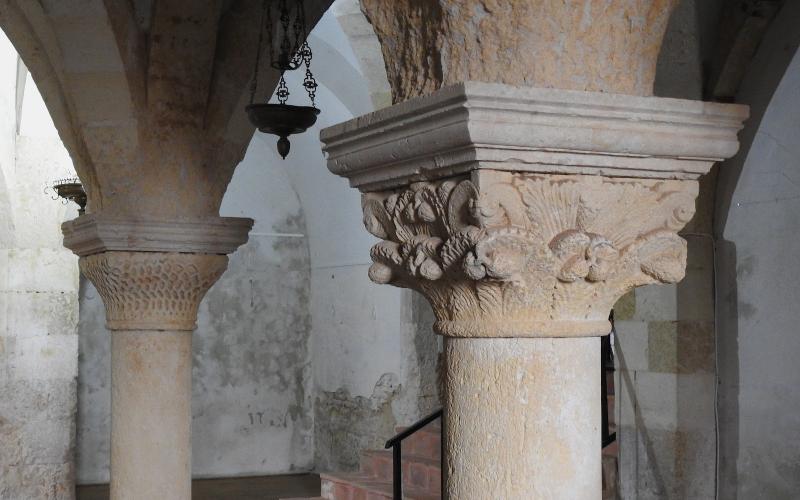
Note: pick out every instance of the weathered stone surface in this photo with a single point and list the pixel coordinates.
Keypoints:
(519, 255)
(522, 418)
(594, 45)
(152, 290)
(92, 234)
(150, 419)
(37, 432)
(474, 125)
(151, 300)
(153, 89)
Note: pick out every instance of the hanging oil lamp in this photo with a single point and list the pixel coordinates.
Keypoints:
(289, 51)
(68, 189)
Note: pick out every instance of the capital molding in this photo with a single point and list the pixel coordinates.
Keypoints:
(96, 233)
(523, 212)
(475, 125)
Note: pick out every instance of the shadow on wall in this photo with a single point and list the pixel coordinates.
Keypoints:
(727, 313)
(754, 220)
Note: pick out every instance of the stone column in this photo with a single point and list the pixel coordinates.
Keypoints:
(522, 215)
(152, 276)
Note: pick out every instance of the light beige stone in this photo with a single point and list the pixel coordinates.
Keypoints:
(586, 45)
(152, 291)
(151, 380)
(522, 418)
(151, 299)
(518, 213)
(520, 255)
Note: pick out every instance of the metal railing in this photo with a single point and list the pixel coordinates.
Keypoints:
(606, 365)
(396, 444)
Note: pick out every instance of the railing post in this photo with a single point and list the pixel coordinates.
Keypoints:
(397, 476)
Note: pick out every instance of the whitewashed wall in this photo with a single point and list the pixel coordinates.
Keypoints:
(38, 298)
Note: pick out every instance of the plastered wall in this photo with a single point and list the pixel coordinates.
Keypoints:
(38, 298)
(756, 225)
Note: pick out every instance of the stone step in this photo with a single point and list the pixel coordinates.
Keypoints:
(609, 474)
(421, 473)
(359, 486)
(611, 410)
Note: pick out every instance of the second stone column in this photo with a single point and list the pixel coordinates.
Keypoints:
(152, 276)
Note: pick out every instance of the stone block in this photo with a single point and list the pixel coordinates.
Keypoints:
(39, 314)
(695, 294)
(40, 482)
(4, 298)
(667, 464)
(625, 308)
(669, 401)
(92, 46)
(656, 303)
(27, 397)
(627, 440)
(681, 346)
(3, 269)
(625, 397)
(42, 270)
(631, 345)
(46, 357)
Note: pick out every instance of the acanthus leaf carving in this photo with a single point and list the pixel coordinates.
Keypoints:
(528, 250)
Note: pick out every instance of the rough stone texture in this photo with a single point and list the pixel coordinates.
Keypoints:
(590, 45)
(522, 418)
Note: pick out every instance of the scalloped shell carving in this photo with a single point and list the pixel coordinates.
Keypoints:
(152, 290)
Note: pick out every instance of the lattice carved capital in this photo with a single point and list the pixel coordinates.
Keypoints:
(152, 290)
(503, 254)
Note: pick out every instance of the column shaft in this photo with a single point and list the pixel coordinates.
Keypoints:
(522, 418)
(151, 414)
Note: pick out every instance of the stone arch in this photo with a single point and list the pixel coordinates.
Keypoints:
(367, 49)
(72, 52)
(38, 296)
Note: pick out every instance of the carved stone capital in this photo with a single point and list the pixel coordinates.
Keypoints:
(152, 274)
(525, 212)
(152, 290)
(502, 254)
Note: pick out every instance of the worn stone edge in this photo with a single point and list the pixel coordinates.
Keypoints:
(91, 234)
(475, 125)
